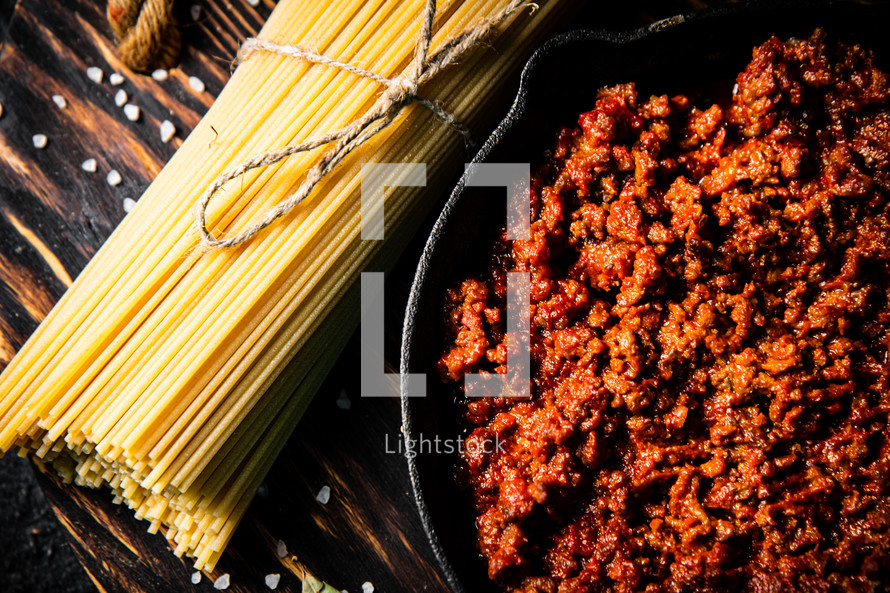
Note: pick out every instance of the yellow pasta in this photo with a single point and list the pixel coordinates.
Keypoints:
(173, 373)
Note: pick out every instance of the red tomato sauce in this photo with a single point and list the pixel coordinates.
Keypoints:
(710, 328)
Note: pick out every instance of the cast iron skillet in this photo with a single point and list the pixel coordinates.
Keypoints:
(698, 55)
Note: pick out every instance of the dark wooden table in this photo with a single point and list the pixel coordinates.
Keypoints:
(54, 215)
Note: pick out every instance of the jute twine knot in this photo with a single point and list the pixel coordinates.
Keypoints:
(146, 33)
(399, 92)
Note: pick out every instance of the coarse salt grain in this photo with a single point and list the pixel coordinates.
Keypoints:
(60, 101)
(197, 84)
(115, 79)
(113, 178)
(222, 582)
(95, 74)
(196, 577)
(324, 495)
(343, 401)
(272, 580)
(281, 549)
(160, 75)
(129, 204)
(120, 98)
(253, 2)
(89, 165)
(167, 131)
(131, 111)
(367, 587)
(39, 140)
(195, 9)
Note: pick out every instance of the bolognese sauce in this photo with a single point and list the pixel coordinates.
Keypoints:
(710, 327)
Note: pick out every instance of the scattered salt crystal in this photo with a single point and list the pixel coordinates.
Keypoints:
(262, 490)
(197, 84)
(253, 2)
(39, 140)
(95, 74)
(196, 11)
(60, 101)
(120, 98)
(324, 495)
(115, 79)
(735, 89)
(113, 178)
(131, 111)
(222, 582)
(272, 580)
(160, 75)
(196, 577)
(167, 131)
(89, 165)
(129, 204)
(367, 587)
(281, 549)
(343, 401)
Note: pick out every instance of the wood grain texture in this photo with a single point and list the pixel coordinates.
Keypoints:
(54, 215)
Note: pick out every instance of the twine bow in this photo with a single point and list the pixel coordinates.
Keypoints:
(400, 92)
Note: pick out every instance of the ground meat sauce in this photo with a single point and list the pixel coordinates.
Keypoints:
(710, 327)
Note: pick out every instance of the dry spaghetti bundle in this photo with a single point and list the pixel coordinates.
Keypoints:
(173, 371)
